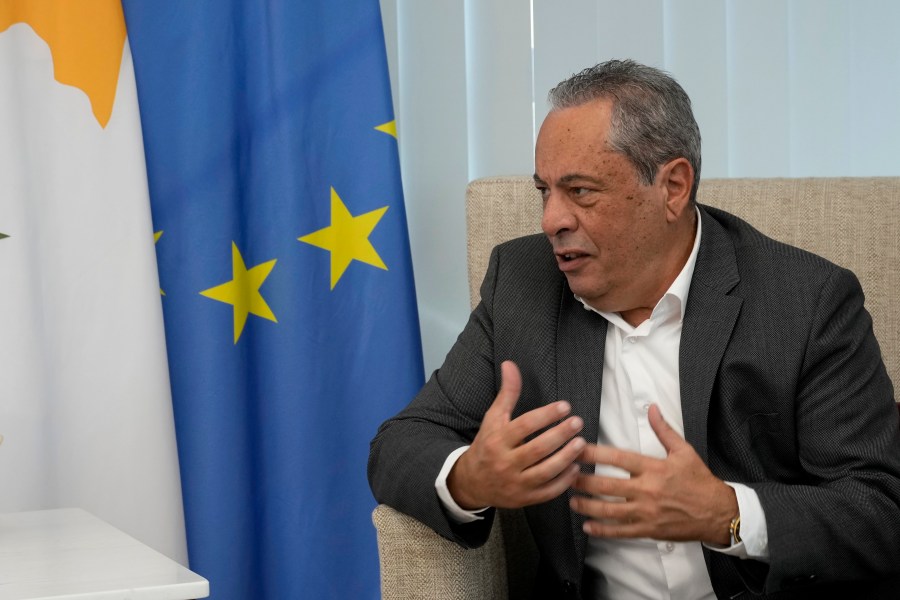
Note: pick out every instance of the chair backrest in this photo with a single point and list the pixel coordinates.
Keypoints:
(851, 221)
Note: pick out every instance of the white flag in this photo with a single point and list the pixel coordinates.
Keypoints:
(85, 403)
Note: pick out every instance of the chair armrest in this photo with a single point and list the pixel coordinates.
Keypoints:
(418, 563)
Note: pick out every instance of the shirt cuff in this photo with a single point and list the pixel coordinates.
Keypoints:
(754, 535)
(457, 513)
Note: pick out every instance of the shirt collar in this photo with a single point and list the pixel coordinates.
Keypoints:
(679, 289)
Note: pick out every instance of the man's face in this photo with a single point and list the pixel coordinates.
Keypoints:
(610, 233)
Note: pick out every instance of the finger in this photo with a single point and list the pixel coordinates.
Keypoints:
(553, 488)
(597, 485)
(632, 462)
(669, 438)
(550, 440)
(539, 418)
(510, 389)
(616, 529)
(602, 510)
(554, 465)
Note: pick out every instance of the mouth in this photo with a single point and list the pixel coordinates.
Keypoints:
(567, 256)
(568, 260)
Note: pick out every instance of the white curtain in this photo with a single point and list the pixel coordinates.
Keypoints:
(781, 88)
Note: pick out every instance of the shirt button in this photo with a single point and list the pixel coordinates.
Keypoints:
(670, 547)
(645, 408)
(632, 340)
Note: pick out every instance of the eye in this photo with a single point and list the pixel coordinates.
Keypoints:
(580, 194)
(544, 191)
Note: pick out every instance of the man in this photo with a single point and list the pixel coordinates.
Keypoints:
(683, 407)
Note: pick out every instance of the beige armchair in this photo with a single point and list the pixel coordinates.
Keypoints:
(854, 222)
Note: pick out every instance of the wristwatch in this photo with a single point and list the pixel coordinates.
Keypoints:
(735, 530)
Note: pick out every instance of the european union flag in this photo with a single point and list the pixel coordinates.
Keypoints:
(284, 262)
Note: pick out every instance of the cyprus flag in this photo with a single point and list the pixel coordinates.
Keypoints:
(85, 406)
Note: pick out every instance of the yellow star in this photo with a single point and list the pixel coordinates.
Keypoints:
(389, 128)
(243, 291)
(347, 238)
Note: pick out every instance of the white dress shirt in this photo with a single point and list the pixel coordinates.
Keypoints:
(640, 368)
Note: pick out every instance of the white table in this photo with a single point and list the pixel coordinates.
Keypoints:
(69, 554)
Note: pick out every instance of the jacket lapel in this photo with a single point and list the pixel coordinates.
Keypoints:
(708, 322)
(580, 340)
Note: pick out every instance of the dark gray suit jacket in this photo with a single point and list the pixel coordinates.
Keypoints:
(782, 388)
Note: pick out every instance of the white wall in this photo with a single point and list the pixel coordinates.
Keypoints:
(429, 83)
(781, 88)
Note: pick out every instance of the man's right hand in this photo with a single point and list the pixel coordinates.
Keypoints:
(501, 470)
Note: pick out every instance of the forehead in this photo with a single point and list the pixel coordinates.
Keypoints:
(589, 120)
(573, 140)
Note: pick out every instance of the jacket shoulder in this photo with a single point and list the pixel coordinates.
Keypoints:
(521, 266)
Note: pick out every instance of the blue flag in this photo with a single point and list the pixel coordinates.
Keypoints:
(284, 261)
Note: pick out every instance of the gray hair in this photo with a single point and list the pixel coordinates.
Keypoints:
(651, 123)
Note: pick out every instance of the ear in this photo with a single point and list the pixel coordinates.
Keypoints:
(677, 178)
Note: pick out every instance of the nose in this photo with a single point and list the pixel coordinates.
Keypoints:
(557, 217)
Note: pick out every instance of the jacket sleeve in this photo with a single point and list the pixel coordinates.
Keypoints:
(409, 449)
(841, 520)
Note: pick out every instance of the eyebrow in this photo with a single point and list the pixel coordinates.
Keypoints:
(572, 177)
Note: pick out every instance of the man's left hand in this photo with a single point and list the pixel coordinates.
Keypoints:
(676, 498)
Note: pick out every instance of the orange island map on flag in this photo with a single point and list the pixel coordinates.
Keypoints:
(85, 403)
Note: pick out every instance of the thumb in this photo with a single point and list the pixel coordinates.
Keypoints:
(670, 439)
(510, 388)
